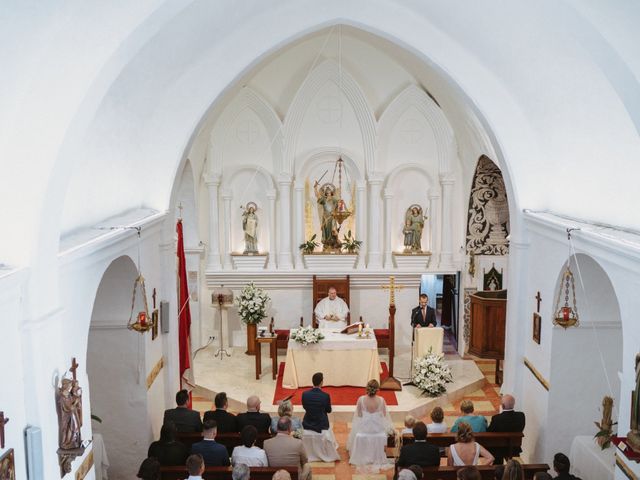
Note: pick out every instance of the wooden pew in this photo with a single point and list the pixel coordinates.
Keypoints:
(486, 472)
(224, 473)
(229, 440)
(489, 440)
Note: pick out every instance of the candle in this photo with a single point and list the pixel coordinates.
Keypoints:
(142, 319)
(360, 329)
(565, 313)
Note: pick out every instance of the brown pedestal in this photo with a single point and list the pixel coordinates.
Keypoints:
(488, 316)
(252, 332)
(273, 352)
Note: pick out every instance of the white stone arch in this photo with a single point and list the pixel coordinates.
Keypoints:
(329, 71)
(230, 173)
(246, 99)
(415, 97)
(391, 177)
(351, 162)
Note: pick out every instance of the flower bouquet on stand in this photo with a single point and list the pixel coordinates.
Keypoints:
(306, 335)
(431, 374)
(252, 308)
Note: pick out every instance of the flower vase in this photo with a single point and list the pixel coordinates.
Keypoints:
(252, 333)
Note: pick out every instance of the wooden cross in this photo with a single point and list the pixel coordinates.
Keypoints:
(539, 299)
(74, 367)
(392, 287)
(154, 298)
(3, 421)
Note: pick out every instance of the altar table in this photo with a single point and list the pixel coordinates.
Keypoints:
(589, 461)
(343, 360)
(426, 338)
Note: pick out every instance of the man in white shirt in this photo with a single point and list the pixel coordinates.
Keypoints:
(331, 312)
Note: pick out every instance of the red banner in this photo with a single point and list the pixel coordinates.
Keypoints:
(184, 314)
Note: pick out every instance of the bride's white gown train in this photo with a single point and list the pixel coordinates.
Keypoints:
(368, 435)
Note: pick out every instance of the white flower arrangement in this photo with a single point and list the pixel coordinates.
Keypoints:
(306, 335)
(431, 375)
(252, 304)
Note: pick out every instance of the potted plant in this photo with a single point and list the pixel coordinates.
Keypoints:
(252, 308)
(350, 244)
(309, 246)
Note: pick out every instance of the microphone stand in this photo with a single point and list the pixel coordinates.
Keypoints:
(413, 339)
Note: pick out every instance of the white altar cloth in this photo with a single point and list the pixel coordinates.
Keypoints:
(343, 359)
(589, 461)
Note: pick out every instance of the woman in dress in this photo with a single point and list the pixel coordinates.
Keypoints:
(285, 409)
(466, 451)
(438, 425)
(369, 429)
(478, 422)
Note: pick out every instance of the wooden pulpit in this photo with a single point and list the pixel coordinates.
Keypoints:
(488, 316)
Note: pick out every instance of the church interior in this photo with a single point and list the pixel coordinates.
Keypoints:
(158, 157)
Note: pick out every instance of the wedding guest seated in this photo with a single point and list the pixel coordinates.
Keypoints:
(226, 421)
(513, 471)
(248, 453)
(420, 452)
(406, 474)
(285, 409)
(417, 471)
(149, 469)
(283, 450)
(478, 422)
(185, 419)
(215, 454)
(508, 420)
(240, 472)
(262, 421)
(562, 465)
(409, 423)
(168, 450)
(437, 424)
(466, 451)
(542, 476)
(281, 475)
(195, 467)
(468, 473)
(498, 472)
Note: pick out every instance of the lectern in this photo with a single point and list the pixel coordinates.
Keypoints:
(488, 315)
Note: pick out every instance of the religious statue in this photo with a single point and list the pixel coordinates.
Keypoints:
(250, 227)
(633, 437)
(605, 432)
(327, 204)
(413, 226)
(69, 406)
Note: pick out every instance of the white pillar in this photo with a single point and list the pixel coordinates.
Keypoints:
(446, 256)
(213, 261)
(299, 227)
(435, 227)
(361, 216)
(271, 196)
(388, 248)
(284, 248)
(375, 212)
(226, 199)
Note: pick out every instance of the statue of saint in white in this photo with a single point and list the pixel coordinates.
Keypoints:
(250, 227)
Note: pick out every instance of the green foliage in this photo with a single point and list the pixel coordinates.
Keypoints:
(310, 245)
(350, 244)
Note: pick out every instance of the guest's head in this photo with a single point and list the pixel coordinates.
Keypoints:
(406, 474)
(284, 425)
(285, 409)
(409, 421)
(417, 471)
(221, 401)
(464, 433)
(561, 463)
(253, 404)
(468, 473)
(149, 469)
(372, 387)
(209, 428)
(542, 476)
(240, 472)
(332, 293)
(168, 432)
(281, 475)
(420, 431)
(513, 471)
(317, 379)
(182, 398)
(498, 472)
(248, 436)
(437, 415)
(466, 407)
(195, 464)
(508, 402)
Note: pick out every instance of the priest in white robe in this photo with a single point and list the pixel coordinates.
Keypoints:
(331, 312)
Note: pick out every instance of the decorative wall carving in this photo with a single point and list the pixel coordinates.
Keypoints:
(488, 220)
(466, 328)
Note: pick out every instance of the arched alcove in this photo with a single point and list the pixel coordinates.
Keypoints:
(115, 356)
(585, 360)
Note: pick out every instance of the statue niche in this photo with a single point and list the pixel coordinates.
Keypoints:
(250, 228)
(413, 226)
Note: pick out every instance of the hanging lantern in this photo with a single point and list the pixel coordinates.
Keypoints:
(341, 212)
(142, 323)
(567, 314)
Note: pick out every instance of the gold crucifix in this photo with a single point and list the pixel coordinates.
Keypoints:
(392, 287)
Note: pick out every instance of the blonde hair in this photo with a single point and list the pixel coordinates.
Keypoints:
(372, 387)
(437, 415)
(465, 433)
(466, 406)
(409, 421)
(285, 409)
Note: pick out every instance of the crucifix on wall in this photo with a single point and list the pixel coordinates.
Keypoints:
(3, 421)
(538, 300)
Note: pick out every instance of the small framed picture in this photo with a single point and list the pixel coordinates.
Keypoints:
(537, 325)
(7, 466)
(154, 324)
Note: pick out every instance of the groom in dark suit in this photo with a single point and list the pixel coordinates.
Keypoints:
(316, 404)
(423, 315)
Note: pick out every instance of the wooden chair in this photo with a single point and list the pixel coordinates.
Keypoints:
(283, 335)
(321, 290)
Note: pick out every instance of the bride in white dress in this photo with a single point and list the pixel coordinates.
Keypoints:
(369, 429)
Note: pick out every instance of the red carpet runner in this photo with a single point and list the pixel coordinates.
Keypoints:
(339, 395)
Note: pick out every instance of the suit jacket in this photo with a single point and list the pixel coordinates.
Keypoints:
(185, 419)
(416, 317)
(262, 421)
(419, 453)
(316, 404)
(284, 450)
(214, 454)
(226, 421)
(169, 453)
(509, 421)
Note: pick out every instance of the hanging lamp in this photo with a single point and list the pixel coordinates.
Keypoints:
(140, 321)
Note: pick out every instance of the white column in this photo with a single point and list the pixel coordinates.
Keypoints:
(446, 256)
(271, 196)
(299, 227)
(435, 227)
(213, 261)
(375, 212)
(361, 217)
(284, 248)
(388, 248)
(226, 199)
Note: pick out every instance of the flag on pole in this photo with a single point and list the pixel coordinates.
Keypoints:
(184, 318)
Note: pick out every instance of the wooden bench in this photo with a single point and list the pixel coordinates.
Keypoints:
(229, 440)
(224, 473)
(486, 472)
(489, 440)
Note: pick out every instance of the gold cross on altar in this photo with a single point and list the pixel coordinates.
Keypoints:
(392, 287)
